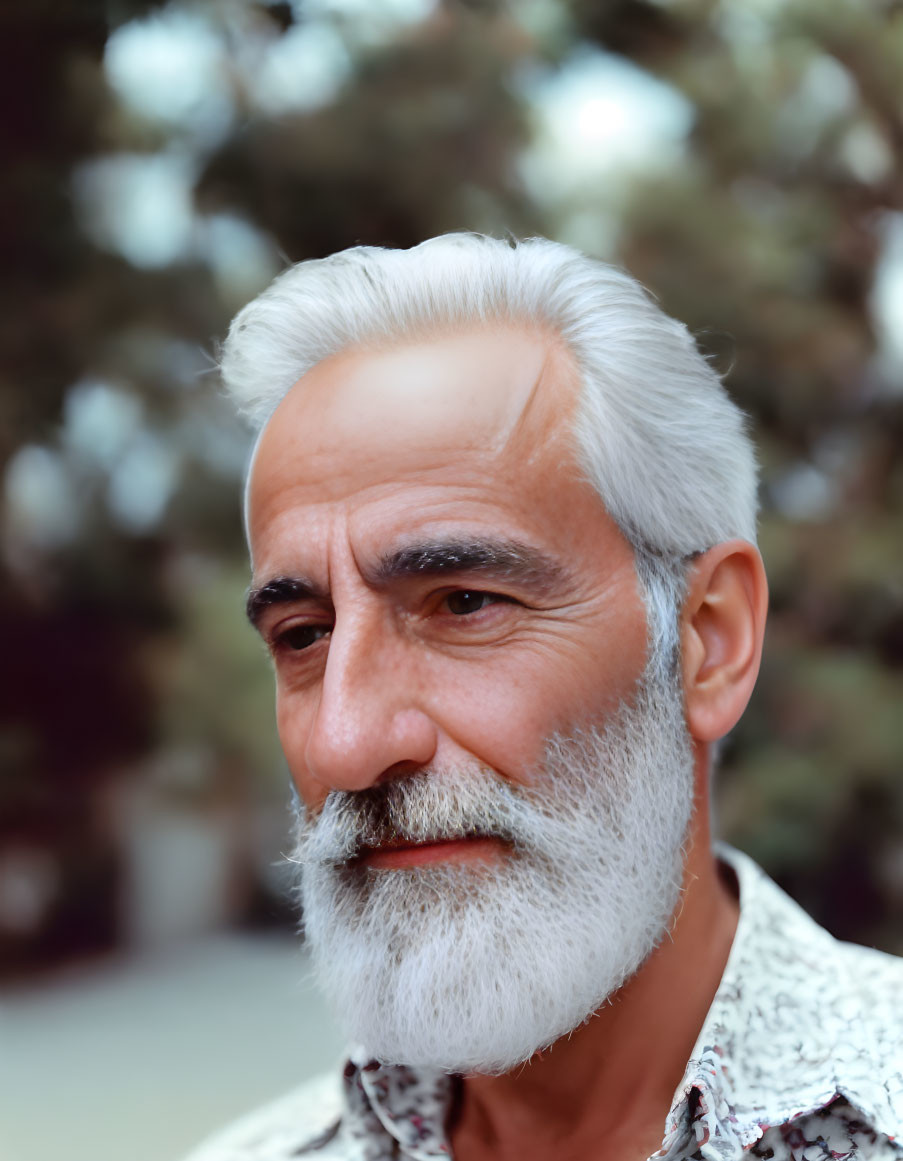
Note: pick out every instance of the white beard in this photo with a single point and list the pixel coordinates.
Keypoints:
(476, 967)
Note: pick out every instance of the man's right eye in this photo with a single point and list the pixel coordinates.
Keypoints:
(299, 637)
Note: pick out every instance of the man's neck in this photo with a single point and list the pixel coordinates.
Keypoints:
(604, 1092)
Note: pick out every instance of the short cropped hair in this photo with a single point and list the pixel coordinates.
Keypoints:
(656, 433)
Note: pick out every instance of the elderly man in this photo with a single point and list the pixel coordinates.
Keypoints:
(502, 521)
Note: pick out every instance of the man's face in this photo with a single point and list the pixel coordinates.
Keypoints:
(437, 585)
(495, 787)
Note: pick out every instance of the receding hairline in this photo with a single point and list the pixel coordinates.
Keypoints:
(424, 333)
(559, 363)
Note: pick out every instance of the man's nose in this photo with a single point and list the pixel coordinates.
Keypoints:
(369, 724)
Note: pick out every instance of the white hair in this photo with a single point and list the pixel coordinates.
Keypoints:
(656, 434)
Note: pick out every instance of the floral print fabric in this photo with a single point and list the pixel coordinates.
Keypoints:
(800, 1058)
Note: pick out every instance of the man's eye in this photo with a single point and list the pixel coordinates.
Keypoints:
(302, 636)
(468, 601)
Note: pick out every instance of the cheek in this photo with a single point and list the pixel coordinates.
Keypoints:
(495, 716)
(293, 725)
(503, 711)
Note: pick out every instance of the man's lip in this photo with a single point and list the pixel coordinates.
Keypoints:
(398, 853)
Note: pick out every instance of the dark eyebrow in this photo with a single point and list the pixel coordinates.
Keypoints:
(278, 591)
(504, 559)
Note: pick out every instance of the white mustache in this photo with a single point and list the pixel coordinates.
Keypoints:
(424, 807)
(438, 806)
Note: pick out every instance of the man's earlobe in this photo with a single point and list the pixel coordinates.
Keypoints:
(723, 625)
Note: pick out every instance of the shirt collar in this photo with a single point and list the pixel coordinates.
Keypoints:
(777, 1043)
(765, 1054)
(411, 1106)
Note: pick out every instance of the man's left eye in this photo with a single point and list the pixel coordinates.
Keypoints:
(469, 601)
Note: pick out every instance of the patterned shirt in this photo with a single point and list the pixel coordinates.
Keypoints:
(800, 1058)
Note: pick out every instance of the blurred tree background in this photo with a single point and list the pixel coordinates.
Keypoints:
(162, 161)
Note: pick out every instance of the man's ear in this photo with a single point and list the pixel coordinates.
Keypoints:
(723, 624)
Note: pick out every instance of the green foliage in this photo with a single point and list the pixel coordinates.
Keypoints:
(214, 681)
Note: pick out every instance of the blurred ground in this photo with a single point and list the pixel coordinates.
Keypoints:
(136, 1059)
